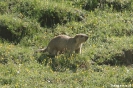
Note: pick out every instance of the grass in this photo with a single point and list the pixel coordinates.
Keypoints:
(106, 59)
(35, 75)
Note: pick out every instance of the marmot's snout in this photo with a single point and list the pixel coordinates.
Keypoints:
(86, 38)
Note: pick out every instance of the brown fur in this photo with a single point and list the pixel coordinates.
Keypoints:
(63, 43)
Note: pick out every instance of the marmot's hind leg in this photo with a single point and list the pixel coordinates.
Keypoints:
(53, 52)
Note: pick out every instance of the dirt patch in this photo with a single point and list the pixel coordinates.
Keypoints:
(125, 58)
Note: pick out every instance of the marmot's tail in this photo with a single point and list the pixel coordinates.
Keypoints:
(41, 50)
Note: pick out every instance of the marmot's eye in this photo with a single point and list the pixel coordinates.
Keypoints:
(82, 36)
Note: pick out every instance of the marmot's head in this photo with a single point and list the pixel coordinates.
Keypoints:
(80, 38)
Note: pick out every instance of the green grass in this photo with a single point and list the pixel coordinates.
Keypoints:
(34, 75)
(106, 59)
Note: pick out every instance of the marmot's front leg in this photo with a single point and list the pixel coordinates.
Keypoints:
(78, 50)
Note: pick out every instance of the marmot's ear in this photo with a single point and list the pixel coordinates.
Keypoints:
(76, 36)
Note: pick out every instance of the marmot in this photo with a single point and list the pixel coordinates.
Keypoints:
(63, 43)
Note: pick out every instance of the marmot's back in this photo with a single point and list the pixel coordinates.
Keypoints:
(59, 42)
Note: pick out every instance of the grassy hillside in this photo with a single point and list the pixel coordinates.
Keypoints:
(106, 59)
